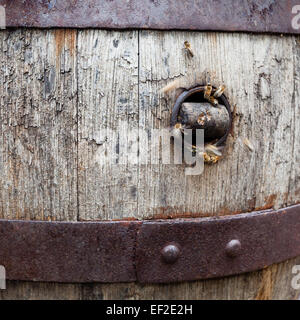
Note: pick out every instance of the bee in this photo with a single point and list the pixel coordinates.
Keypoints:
(179, 127)
(219, 91)
(207, 91)
(213, 101)
(210, 159)
(248, 144)
(212, 98)
(170, 86)
(187, 47)
(213, 149)
(212, 153)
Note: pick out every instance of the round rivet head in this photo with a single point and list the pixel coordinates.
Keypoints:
(170, 253)
(233, 248)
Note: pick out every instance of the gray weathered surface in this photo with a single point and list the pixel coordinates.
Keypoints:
(59, 88)
(38, 156)
(108, 98)
(262, 78)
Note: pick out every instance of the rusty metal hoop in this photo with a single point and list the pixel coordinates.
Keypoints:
(148, 251)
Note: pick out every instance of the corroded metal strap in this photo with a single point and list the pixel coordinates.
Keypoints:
(148, 251)
(67, 251)
(207, 248)
(221, 15)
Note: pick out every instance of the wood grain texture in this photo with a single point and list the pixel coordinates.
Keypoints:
(262, 79)
(38, 158)
(68, 96)
(108, 109)
(261, 73)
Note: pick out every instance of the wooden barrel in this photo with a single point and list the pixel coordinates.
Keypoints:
(68, 95)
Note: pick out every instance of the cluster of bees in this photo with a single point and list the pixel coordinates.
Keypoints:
(212, 153)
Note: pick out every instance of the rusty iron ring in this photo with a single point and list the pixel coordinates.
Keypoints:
(184, 95)
(157, 251)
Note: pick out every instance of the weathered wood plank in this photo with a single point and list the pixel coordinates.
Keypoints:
(262, 78)
(294, 189)
(38, 128)
(108, 91)
(258, 74)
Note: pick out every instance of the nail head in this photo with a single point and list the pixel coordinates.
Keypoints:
(233, 248)
(170, 253)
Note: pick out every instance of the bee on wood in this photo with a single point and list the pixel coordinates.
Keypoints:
(213, 149)
(170, 86)
(216, 94)
(180, 127)
(208, 91)
(248, 144)
(187, 47)
(212, 153)
(210, 159)
(219, 91)
(213, 101)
